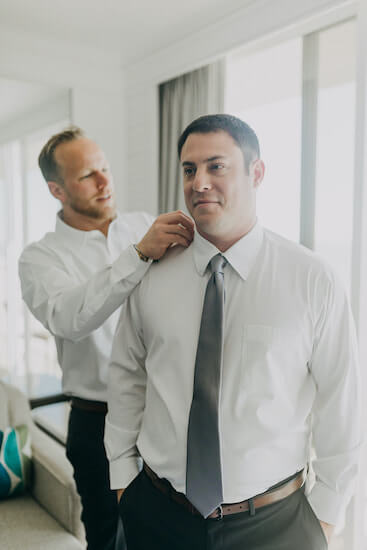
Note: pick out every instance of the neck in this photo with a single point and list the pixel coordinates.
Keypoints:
(86, 223)
(224, 242)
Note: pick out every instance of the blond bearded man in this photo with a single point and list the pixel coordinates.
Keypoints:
(74, 281)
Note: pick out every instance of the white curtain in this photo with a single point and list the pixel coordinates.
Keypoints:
(182, 100)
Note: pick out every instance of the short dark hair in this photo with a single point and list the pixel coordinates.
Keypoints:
(46, 160)
(241, 132)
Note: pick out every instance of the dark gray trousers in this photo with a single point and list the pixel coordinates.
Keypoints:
(153, 521)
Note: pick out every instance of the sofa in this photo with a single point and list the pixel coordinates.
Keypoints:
(48, 515)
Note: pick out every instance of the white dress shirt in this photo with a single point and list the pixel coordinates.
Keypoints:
(74, 283)
(289, 370)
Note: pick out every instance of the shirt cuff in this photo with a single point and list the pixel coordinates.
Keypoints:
(130, 267)
(123, 471)
(327, 505)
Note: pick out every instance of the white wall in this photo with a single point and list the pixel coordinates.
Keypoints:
(143, 149)
(101, 114)
(262, 21)
(47, 113)
(95, 81)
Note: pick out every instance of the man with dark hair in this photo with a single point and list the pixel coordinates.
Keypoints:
(74, 281)
(229, 359)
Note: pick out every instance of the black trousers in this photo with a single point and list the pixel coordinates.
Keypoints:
(153, 521)
(85, 450)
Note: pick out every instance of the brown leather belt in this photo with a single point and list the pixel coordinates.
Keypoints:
(91, 406)
(269, 497)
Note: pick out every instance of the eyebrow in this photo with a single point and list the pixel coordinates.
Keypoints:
(209, 159)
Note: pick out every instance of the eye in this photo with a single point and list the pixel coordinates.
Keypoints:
(217, 166)
(86, 176)
(188, 171)
(105, 169)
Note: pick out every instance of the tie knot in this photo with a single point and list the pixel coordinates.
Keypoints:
(217, 264)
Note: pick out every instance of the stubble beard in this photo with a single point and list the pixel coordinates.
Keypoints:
(93, 211)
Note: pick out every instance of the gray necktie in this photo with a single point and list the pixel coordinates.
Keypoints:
(203, 472)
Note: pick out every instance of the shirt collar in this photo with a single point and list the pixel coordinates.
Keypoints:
(77, 236)
(241, 255)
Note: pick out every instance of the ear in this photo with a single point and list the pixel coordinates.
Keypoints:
(57, 190)
(257, 171)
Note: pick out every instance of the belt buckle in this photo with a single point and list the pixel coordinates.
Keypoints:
(219, 510)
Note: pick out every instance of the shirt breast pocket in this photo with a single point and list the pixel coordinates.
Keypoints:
(269, 354)
(257, 341)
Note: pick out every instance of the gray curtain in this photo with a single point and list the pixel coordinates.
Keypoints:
(181, 100)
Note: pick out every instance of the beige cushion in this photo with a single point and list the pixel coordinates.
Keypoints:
(28, 523)
(24, 525)
(54, 486)
(14, 408)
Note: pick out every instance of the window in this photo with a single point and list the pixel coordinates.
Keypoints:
(11, 238)
(299, 96)
(273, 90)
(265, 90)
(335, 77)
(27, 212)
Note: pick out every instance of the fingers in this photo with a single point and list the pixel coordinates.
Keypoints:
(173, 231)
(179, 240)
(177, 217)
(167, 229)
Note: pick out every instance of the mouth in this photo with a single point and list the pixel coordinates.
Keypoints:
(204, 203)
(104, 198)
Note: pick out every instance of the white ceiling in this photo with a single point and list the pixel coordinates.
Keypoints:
(134, 28)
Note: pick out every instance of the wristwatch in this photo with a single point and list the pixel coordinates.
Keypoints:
(142, 256)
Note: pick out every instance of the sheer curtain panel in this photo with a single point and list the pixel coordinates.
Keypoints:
(181, 100)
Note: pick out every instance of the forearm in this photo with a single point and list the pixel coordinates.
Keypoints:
(70, 309)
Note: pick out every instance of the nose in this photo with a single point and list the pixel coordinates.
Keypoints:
(102, 180)
(201, 181)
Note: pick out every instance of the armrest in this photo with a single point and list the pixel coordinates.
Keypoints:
(53, 484)
(48, 400)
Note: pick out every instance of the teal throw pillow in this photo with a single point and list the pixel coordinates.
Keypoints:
(15, 460)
